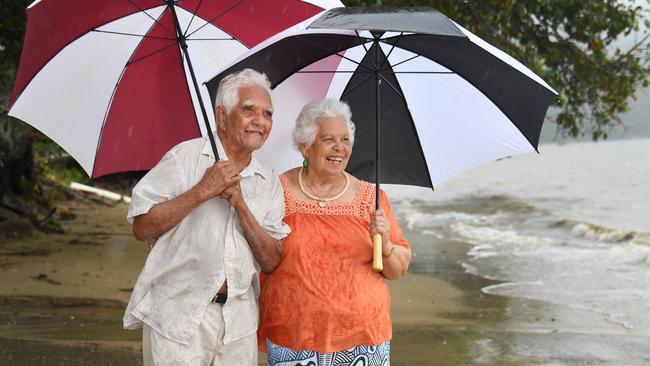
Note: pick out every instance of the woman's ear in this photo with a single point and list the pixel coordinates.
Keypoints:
(303, 150)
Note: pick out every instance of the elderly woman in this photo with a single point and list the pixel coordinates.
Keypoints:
(323, 303)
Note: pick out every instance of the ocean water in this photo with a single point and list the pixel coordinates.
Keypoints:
(569, 227)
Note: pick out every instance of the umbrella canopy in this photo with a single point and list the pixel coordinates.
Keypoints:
(429, 98)
(111, 81)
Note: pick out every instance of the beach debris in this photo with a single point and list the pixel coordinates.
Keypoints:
(100, 192)
(28, 252)
(78, 241)
(67, 215)
(44, 278)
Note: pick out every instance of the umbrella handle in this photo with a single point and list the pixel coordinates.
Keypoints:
(377, 263)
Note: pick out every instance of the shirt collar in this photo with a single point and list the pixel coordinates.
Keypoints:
(254, 167)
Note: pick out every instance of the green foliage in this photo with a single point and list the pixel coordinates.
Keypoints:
(17, 139)
(54, 163)
(13, 136)
(13, 140)
(569, 43)
(12, 29)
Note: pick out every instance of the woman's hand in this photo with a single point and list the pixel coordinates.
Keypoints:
(379, 224)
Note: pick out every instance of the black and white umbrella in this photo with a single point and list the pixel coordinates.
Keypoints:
(448, 100)
(429, 98)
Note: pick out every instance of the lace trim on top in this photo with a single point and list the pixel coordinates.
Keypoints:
(361, 206)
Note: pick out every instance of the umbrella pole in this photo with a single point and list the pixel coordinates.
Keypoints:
(181, 41)
(377, 262)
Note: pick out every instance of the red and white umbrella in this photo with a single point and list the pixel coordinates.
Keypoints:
(113, 81)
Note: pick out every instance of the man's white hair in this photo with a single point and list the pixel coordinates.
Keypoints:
(307, 122)
(228, 91)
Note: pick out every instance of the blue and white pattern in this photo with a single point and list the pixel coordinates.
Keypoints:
(357, 356)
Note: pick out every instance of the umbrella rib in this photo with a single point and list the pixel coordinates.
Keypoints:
(423, 53)
(150, 54)
(391, 86)
(132, 34)
(357, 85)
(212, 39)
(391, 50)
(334, 53)
(215, 18)
(369, 72)
(110, 101)
(152, 18)
(192, 19)
(363, 44)
(423, 72)
(333, 72)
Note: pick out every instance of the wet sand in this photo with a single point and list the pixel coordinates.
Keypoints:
(62, 295)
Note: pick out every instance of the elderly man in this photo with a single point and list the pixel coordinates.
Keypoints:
(215, 225)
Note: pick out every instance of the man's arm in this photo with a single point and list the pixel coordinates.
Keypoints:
(166, 215)
(266, 250)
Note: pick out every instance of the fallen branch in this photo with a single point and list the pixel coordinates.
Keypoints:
(100, 192)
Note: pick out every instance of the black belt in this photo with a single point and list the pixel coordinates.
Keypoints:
(219, 299)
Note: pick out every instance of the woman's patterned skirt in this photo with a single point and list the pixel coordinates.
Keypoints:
(357, 356)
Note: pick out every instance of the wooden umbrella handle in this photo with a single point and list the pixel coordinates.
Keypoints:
(377, 263)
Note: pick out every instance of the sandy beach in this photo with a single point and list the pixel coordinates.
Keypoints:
(62, 296)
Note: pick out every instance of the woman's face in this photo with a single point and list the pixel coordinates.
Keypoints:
(330, 152)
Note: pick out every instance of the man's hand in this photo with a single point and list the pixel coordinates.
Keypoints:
(233, 195)
(164, 216)
(217, 178)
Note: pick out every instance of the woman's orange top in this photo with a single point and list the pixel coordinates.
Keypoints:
(324, 295)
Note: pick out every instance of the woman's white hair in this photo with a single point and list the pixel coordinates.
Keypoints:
(228, 91)
(307, 122)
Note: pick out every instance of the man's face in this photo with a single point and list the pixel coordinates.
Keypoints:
(247, 125)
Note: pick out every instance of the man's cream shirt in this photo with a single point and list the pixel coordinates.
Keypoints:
(188, 264)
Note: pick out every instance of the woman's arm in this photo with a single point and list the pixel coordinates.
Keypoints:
(396, 262)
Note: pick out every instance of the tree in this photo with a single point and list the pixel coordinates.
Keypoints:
(21, 191)
(569, 43)
(16, 173)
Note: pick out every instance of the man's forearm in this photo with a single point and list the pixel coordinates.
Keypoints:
(267, 251)
(164, 216)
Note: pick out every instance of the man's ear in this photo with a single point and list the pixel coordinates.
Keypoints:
(221, 116)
